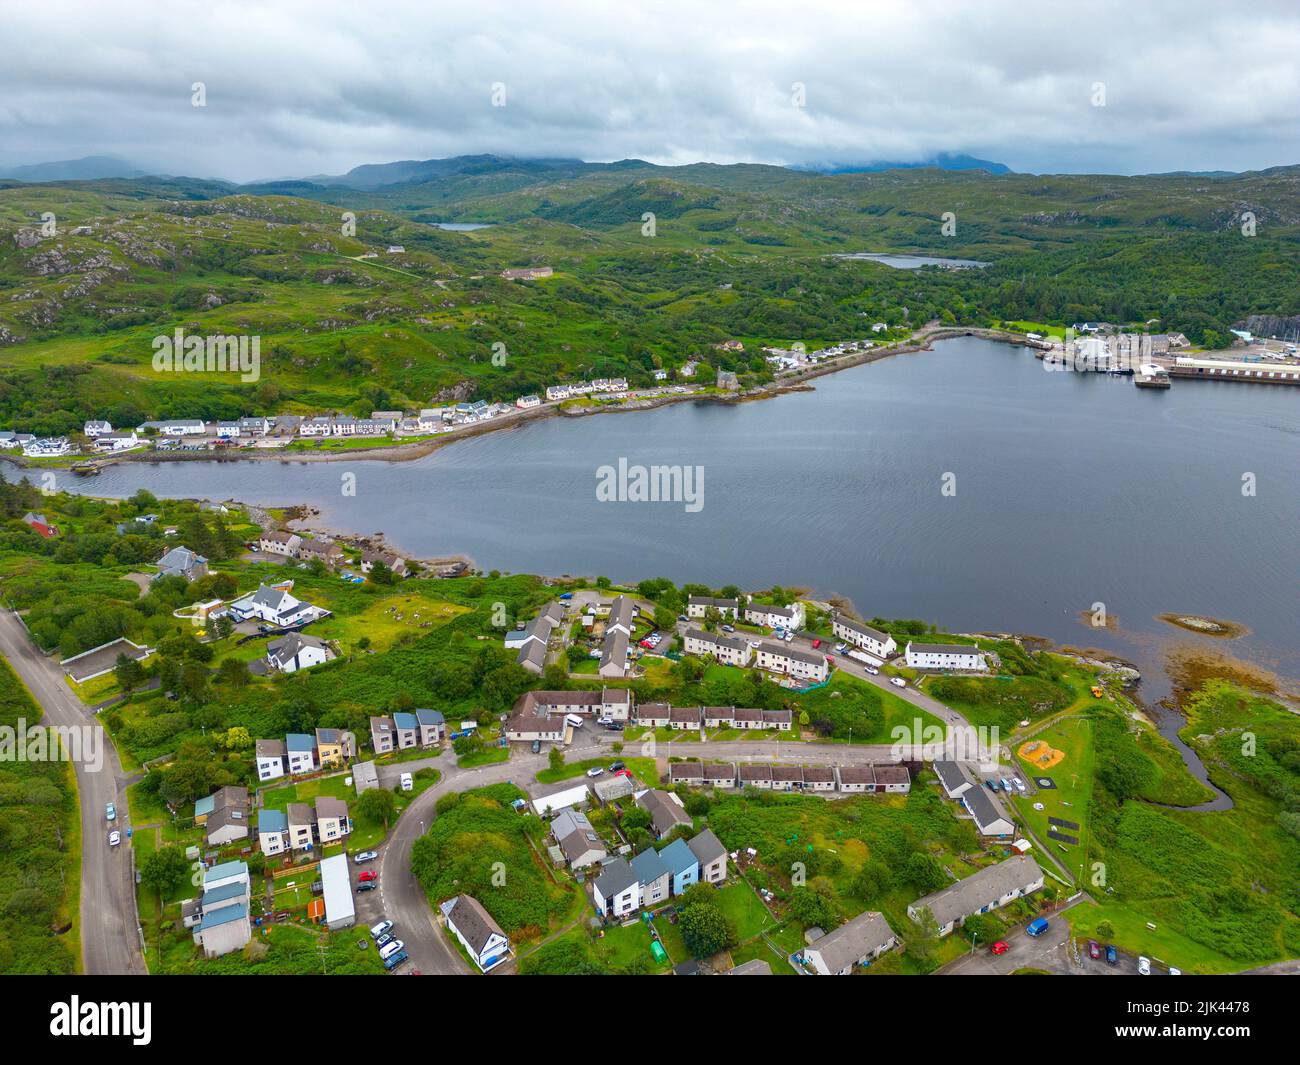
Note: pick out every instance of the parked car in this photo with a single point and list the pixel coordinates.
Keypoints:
(993, 785)
(1112, 955)
(384, 940)
(1000, 947)
(366, 856)
(392, 962)
(728, 628)
(614, 726)
(816, 644)
(898, 682)
(369, 874)
(369, 885)
(407, 782)
(1018, 784)
(395, 947)
(1144, 966)
(1006, 784)
(1037, 926)
(114, 838)
(1094, 949)
(378, 930)
(595, 771)
(566, 595)
(830, 660)
(537, 746)
(617, 766)
(682, 617)
(1175, 972)
(873, 671)
(110, 812)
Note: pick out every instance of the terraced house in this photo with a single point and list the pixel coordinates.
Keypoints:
(729, 650)
(855, 633)
(803, 665)
(989, 889)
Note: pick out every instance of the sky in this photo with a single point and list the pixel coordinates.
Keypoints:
(293, 89)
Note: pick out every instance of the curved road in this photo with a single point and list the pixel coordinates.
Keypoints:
(110, 938)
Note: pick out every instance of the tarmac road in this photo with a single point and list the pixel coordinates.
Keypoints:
(110, 939)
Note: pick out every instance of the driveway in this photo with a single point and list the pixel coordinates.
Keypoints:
(110, 937)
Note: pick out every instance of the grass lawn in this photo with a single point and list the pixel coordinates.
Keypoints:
(1069, 800)
(487, 756)
(621, 946)
(760, 949)
(743, 908)
(307, 791)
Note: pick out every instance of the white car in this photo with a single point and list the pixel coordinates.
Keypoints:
(898, 682)
(873, 671)
(1144, 966)
(1018, 784)
(378, 930)
(110, 812)
(390, 949)
(1175, 972)
(114, 838)
(366, 856)
(595, 771)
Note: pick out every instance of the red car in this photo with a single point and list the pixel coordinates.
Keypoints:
(624, 773)
(1094, 949)
(1000, 947)
(369, 874)
(817, 643)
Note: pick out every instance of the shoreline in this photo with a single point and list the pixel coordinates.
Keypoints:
(409, 452)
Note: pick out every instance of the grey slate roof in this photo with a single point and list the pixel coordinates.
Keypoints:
(980, 889)
(616, 876)
(858, 938)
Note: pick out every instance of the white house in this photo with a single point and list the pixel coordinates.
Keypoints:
(47, 447)
(697, 606)
(526, 402)
(297, 651)
(775, 617)
(873, 641)
(280, 542)
(94, 428)
(989, 889)
(273, 605)
(617, 891)
(270, 759)
(478, 933)
(856, 942)
(120, 441)
(944, 656)
(805, 665)
(729, 650)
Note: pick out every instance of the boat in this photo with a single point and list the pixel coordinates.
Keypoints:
(86, 469)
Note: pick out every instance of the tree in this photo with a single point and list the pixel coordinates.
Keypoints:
(555, 758)
(376, 806)
(705, 930)
(233, 672)
(811, 908)
(872, 880)
(1105, 930)
(924, 872)
(921, 939)
(129, 673)
(164, 871)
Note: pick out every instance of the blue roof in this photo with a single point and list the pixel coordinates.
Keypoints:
(233, 890)
(225, 869)
(272, 821)
(405, 721)
(205, 806)
(648, 866)
(224, 915)
(299, 741)
(430, 717)
(678, 857)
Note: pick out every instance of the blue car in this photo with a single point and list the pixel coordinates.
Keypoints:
(1112, 955)
(1037, 926)
(396, 960)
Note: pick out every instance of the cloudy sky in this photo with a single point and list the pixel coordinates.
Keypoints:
(299, 88)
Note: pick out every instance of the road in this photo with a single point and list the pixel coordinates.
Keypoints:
(400, 897)
(110, 940)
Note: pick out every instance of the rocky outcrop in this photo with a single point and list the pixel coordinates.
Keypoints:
(1271, 325)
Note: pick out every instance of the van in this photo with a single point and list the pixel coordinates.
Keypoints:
(1037, 926)
(378, 930)
(1144, 966)
(392, 948)
(408, 783)
(573, 719)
